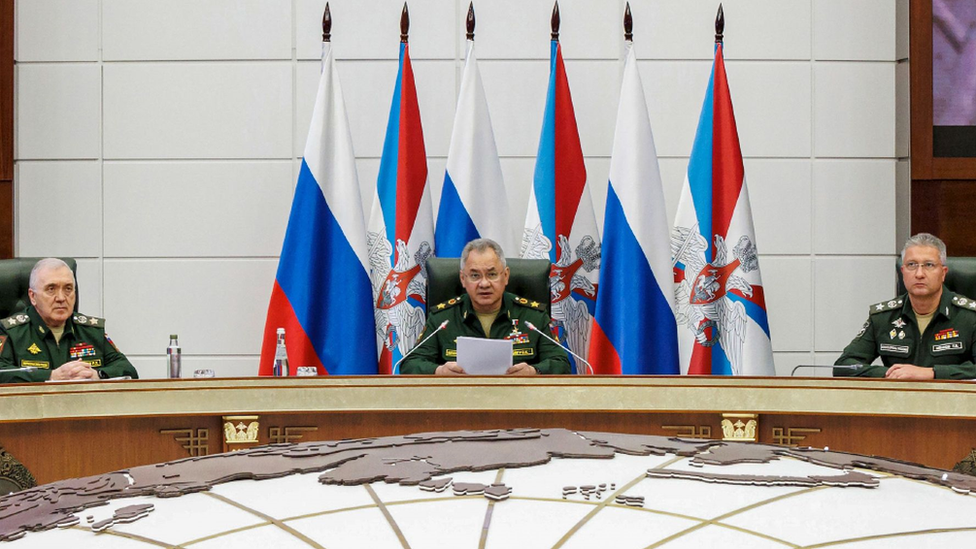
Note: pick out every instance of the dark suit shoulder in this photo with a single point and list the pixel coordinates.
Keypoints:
(15, 320)
(890, 305)
(531, 304)
(88, 321)
(963, 302)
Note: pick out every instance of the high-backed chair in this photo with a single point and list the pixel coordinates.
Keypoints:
(961, 277)
(529, 279)
(15, 279)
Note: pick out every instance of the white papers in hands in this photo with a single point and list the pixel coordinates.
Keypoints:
(484, 357)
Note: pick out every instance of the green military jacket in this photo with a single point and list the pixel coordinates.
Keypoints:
(891, 332)
(26, 341)
(527, 346)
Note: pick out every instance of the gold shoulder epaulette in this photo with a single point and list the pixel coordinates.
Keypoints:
(15, 320)
(537, 305)
(964, 302)
(84, 320)
(447, 304)
(887, 305)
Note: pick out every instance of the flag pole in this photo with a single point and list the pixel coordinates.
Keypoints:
(404, 24)
(327, 24)
(469, 22)
(628, 24)
(719, 24)
(554, 22)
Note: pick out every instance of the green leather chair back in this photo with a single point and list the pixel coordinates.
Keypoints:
(15, 279)
(529, 278)
(961, 277)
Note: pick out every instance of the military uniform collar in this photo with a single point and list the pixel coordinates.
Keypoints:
(943, 309)
(38, 324)
(467, 310)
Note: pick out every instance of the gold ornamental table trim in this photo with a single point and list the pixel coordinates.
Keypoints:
(41, 401)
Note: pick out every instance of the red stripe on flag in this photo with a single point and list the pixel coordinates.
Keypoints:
(758, 296)
(300, 350)
(570, 172)
(727, 170)
(701, 361)
(411, 157)
(603, 355)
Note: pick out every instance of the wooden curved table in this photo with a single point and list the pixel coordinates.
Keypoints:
(63, 430)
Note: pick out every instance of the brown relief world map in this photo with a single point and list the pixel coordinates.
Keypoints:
(424, 460)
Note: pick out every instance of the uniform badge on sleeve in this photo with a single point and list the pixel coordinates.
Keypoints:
(3, 339)
(112, 343)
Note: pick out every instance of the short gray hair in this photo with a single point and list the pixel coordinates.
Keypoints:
(928, 240)
(47, 263)
(481, 245)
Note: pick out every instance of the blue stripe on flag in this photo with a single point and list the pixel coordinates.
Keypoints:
(633, 311)
(720, 362)
(386, 181)
(545, 165)
(454, 225)
(700, 169)
(315, 243)
(755, 312)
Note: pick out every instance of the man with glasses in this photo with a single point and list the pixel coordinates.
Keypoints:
(51, 341)
(927, 333)
(486, 310)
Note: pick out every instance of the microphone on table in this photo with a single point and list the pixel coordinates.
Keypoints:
(543, 334)
(853, 367)
(396, 367)
(24, 369)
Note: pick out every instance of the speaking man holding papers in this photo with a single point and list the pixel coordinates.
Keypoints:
(486, 311)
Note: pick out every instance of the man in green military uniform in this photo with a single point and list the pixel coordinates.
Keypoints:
(486, 310)
(927, 333)
(52, 340)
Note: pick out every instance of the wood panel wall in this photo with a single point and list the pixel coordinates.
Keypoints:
(943, 189)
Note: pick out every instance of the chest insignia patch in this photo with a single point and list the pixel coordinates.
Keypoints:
(946, 347)
(34, 349)
(81, 350)
(893, 334)
(35, 364)
(948, 333)
(889, 348)
(901, 334)
(898, 323)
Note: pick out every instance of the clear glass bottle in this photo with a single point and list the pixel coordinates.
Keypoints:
(281, 356)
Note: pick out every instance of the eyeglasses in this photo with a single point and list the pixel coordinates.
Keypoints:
(928, 266)
(491, 276)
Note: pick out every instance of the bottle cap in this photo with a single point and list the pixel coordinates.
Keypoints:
(173, 336)
(280, 331)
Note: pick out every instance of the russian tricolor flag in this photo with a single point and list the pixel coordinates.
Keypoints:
(560, 224)
(401, 227)
(634, 330)
(719, 299)
(322, 292)
(473, 200)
